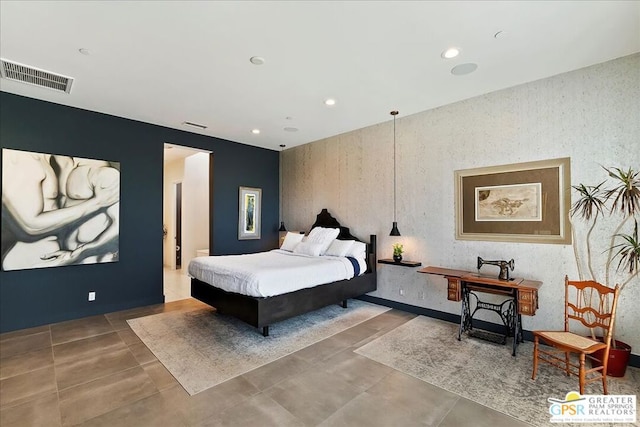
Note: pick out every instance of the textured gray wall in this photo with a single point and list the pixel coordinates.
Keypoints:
(591, 115)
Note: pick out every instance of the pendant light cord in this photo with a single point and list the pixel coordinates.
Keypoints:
(395, 187)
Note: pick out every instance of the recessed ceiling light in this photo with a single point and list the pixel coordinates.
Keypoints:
(255, 131)
(257, 60)
(462, 69)
(499, 34)
(84, 51)
(452, 52)
(330, 101)
(290, 129)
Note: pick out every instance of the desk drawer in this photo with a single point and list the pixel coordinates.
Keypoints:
(454, 292)
(527, 301)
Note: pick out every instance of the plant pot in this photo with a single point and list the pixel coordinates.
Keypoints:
(618, 358)
(397, 258)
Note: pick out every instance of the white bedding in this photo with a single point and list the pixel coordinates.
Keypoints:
(266, 274)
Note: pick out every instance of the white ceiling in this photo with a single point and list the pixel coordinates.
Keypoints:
(168, 62)
(174, 152)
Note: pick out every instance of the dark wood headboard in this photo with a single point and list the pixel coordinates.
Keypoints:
(324, 219)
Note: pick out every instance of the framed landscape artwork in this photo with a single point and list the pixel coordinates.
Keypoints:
(522, 202)
(249, 213)
(58, 210)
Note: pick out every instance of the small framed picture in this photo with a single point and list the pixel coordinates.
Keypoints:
(249, 213)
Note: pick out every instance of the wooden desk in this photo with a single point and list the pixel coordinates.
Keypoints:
(522, 298)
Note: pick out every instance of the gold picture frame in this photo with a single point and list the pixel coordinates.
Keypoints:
(521, 202)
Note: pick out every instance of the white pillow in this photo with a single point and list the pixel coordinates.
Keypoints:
(363, 265)
(357, 250)
(308, 248)
(339, 247)
(290, 241)
(323, 236)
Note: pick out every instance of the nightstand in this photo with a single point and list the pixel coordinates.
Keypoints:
(402, 263)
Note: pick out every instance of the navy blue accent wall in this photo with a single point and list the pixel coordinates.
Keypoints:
(40, 296)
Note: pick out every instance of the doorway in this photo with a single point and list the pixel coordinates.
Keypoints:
(178, 225)
(187, 176)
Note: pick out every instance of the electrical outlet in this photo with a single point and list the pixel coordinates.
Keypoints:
(401, 292)
(92, 296)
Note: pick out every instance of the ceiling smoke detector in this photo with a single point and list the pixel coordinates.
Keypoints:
(34, 76)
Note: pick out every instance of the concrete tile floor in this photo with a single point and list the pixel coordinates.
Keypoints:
(177, 285)
(96, 372)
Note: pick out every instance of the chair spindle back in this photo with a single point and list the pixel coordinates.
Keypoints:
(592, 304)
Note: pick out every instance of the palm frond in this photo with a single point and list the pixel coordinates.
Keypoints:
(591, 202)
(626, 193)
(628, 251)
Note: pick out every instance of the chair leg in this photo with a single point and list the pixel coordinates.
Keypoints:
(581, 373)
(535, 357)
(566, 363)
(604, 374)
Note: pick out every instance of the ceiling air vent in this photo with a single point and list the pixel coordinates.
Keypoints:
(195, 125)
(34, 76)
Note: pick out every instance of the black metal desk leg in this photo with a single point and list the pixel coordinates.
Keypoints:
(516, 327)
(515, 343)
(464, 313)
(520, 323)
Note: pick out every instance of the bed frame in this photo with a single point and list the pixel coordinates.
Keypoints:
(262, 312)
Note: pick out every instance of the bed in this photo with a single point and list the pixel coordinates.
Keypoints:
(263, 311)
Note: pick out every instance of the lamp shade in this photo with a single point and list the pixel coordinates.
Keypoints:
(282, 226)
(394, 229)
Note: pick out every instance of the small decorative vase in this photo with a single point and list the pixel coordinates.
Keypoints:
(397, 258)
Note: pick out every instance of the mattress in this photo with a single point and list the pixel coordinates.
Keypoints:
(271, 273)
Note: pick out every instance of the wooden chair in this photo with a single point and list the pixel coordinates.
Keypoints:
(594, 306)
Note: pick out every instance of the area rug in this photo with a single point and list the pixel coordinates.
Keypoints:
(486, 373)
(202, 349)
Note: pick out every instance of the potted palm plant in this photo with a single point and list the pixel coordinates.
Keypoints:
(616, 203)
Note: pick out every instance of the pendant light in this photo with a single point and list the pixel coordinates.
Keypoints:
(394, 228)
(282, 228)
(282, 231)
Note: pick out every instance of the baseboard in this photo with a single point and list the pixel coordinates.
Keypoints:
(634, 359)
(89, 310)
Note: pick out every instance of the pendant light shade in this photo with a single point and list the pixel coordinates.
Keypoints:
(282, 226)
(394, 228)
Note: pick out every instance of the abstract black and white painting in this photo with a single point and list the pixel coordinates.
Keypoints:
(58, 210)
